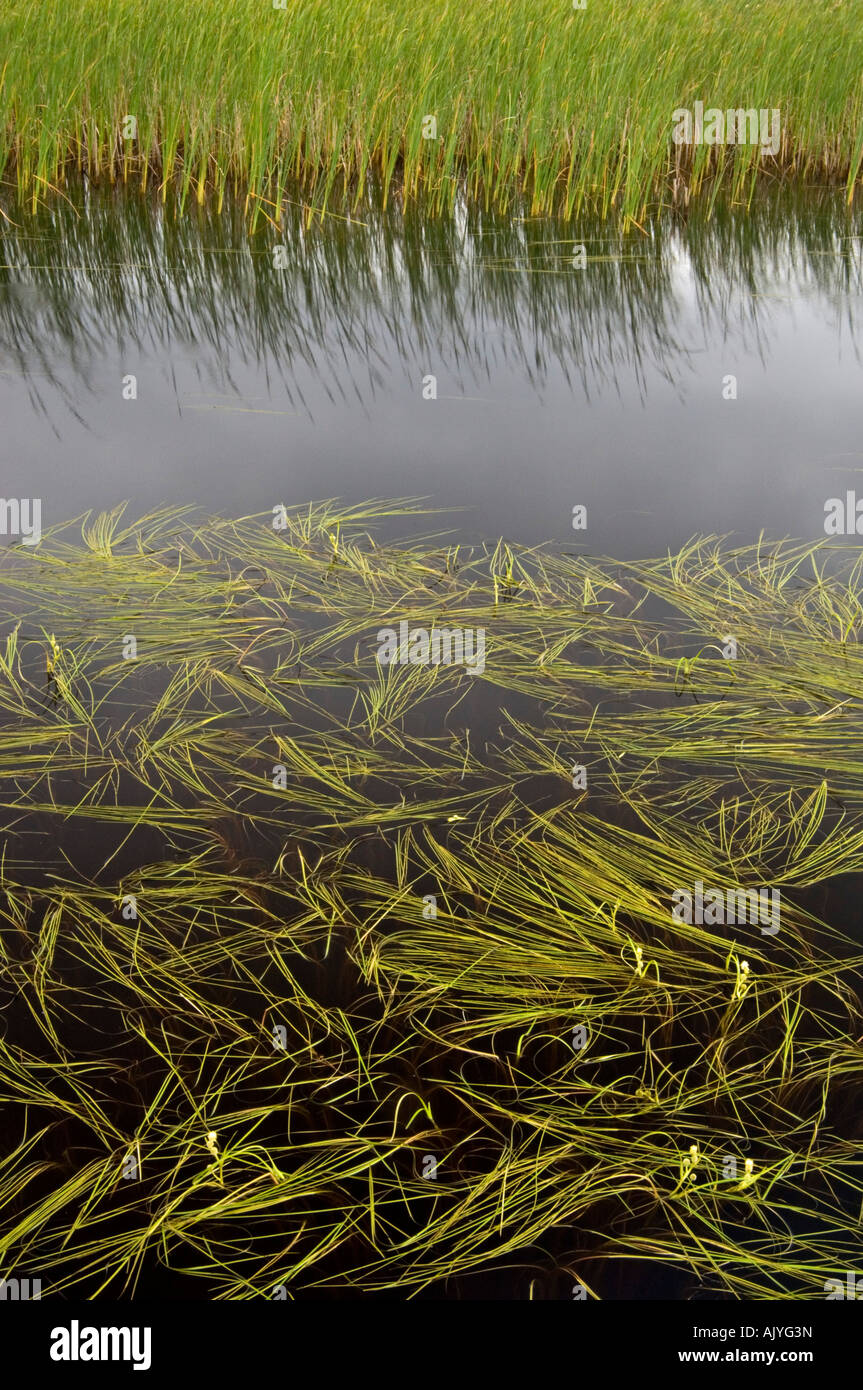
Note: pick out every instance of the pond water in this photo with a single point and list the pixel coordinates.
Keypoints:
(699, 374)
(605, 387)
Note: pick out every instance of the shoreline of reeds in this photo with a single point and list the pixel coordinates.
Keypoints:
(571, 109)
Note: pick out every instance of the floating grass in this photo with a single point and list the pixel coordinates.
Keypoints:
(417, 1011)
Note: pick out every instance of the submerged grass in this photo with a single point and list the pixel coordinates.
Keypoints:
(241, 1044)
(572, 107)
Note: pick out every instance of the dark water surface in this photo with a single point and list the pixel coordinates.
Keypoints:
(556, 387)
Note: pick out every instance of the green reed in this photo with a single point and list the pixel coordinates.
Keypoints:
(571, 107)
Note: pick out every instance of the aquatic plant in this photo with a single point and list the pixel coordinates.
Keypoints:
(415, 1010)
(572, 106)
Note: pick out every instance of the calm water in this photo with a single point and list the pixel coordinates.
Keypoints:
(556, 387)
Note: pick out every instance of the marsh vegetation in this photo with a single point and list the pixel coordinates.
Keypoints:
(325, 976)
(241, 1012)
(572, 107)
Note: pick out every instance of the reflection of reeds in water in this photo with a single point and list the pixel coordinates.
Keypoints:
(381, 297)
(571, 107)
(285, 986)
